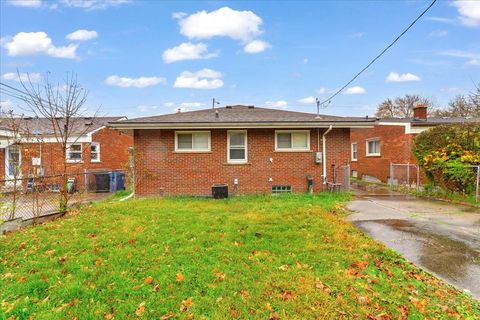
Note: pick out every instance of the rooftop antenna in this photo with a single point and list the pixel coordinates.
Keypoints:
(214, 102)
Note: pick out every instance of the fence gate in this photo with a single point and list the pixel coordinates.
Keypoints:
(406, 174)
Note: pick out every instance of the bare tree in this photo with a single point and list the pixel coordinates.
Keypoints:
(16, 134)
(401, 107)
(462, 106)
(64, 107)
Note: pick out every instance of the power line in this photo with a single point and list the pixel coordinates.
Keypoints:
(379, 55)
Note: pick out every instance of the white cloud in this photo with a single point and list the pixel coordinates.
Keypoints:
(187, 51)
(24, 77)
(188, 106)
(26, 3)
(356, 35)
(242, 26)
(404, 77)
(276, 104)
(469, 12)
(145, 108)
(256, 46)
(322, 90)
(82, 35)
(93, 4)
(305, 60)
(355, 90)
(474, 62)
(179, 15)
(441, 19)
(307, 100)
(141, 82)
(438, 33)
(6, 106)
(473, 57)
(203, 79)
(36, 43)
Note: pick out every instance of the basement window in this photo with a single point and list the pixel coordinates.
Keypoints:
(192, 141)
(281, 189)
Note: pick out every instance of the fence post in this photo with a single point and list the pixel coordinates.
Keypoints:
(418, 177)
(408, 174)
(478, 181)
(391, 174)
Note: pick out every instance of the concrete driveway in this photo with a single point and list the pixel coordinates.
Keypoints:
(442, 238)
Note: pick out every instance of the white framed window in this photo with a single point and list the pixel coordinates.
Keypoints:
(373, 147)
(192, 141)
(74, 152)
(297, 140)
(95, 152)
(354, 152)
(237, 146)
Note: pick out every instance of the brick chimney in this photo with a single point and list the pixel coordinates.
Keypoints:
(420, 112)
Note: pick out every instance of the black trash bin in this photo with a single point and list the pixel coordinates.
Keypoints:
(220, 191)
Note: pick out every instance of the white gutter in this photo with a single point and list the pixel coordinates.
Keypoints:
(324, 153)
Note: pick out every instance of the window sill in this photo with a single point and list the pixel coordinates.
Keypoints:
(293, 151)
(353, 160)
(192, 151)
(374, 155)
(74, 161)
(237, 164)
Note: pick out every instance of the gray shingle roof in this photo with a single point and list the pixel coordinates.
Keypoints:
(431, 121)
(241, 115)
(43, 126)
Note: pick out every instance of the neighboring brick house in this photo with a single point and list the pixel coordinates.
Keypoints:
(252, 150)
(93, 146)
(391, 141)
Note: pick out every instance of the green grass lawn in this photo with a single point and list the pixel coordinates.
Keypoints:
(288, 257)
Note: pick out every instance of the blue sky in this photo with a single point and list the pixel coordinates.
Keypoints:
(139, 58)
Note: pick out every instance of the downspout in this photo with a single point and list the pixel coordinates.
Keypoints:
(324, 153)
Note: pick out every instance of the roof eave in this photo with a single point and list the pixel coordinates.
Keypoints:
(241, 125)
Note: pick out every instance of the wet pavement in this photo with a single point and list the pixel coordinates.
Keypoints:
(440, 237)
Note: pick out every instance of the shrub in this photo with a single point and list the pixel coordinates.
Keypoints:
(445, 152)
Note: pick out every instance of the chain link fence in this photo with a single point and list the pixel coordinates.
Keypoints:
(405, 174)
(409, 175)
(36, 197)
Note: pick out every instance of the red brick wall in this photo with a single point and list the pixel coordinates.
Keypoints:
(395, 146)
(114, 154)
(161, 171)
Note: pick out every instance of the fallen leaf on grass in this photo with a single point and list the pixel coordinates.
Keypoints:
(268, 306)
(179, 277)
(141, 309)
(108, 316)
(220, 276)
(167, 315)
(284, 267)
(186, 304)
(420, 304)
(98, 262)
(21, 279)
(148, 280)
(286, 295)
(274, 316)
(360, 265)
(351, 272)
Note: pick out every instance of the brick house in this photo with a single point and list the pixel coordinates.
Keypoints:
(252, 150)
(391, 141)
(37, 153)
